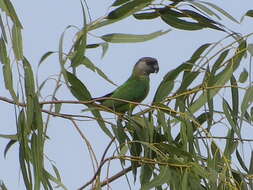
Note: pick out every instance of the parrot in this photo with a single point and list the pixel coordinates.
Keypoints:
(135, 89)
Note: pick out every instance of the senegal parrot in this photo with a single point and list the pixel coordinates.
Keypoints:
(135, 89)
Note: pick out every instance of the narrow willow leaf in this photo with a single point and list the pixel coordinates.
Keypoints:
(45, 56)
(146, 15)
(57, 173)
(9, 145)
(219, 61)
(55, 180)
(146, 173)
(243, 76)
(7, 71)
(197, 54)
(79, 90)
(230, 117)
(205, 9)
(221, 80)
(249, 13)
(128, 9)
(3, 29)
(180, 23)
(9, 9)
(29, 91)
(37, 168)
(235, 97)
(87, 62)
(185, 180)
(202, 20)
(225, 13)
(163, 176)
(131, 38)
(167, 83)
(17, 42)
(92, 45)
(246, 102)
(119, 2)
(230, 145)
(250, 49)
(79, 48)
(241, 162)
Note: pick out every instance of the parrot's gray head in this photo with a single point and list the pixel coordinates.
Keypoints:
(145, 66)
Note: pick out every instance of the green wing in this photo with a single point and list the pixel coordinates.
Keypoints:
(135, 89)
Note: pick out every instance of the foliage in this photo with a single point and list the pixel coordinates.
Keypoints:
(188, 159)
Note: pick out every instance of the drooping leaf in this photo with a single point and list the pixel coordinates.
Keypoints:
(205, 9)
(87, 63)
(241, 162)
(146, 15)
(128, 9)
(17, 42)
(45, 56)
(29, 91)
(10, 11)
(80, 91)
(246, 102)
(131, 38)
(119, 2)
(249, 13)
(163, 177)
(180, 23)
(222, 11)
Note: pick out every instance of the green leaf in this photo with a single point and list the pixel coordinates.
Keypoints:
(230, 117)
(7, 6)
(235, 97)
(119, 2)
(240, 160)
(221, 80)
(8, 146)
(45, 56)
(29, 91)
(3, 29)
(246, 102)
(205, 9)
(17, 42)
(128, 9)
(163, 176)
(79, 48)
(225, 13)
(87, 62)
(79, 90)
(231, 145)
(146, 15)
(180, 23)
(243, 76)
(167, 83)
(146, 173)
(249, 13)
(131, 38)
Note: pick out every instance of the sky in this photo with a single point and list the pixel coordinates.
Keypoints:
(44, 22)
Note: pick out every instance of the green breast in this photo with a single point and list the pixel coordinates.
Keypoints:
(135, 89)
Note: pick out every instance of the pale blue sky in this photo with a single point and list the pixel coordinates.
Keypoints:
(44, 22)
